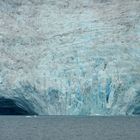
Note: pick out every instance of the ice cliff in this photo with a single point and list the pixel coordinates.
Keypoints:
(71, 57)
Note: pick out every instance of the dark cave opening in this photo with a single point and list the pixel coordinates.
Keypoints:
(15, 107)
(136, 111)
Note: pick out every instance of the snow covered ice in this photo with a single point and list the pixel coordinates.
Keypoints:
(71, 57)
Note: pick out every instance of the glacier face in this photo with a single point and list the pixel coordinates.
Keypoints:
(71, 57)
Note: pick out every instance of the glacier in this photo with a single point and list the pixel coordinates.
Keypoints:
(71, 57)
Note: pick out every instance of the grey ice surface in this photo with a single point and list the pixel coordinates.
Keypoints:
(69, 128)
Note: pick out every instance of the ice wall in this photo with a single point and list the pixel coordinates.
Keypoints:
(71, 57)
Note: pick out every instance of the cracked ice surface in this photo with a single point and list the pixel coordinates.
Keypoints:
(71, 57)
